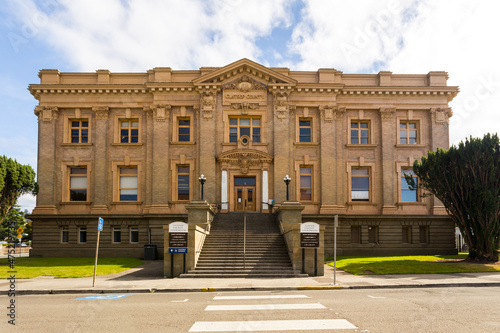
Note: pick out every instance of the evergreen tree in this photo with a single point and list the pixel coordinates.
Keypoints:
(467, 181)
(15, 180)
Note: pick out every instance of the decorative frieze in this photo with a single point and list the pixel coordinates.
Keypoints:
(244, 106)
(441, 116)
(101, 112)
(47, 113)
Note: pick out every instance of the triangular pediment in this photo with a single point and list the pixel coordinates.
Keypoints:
(245, 68)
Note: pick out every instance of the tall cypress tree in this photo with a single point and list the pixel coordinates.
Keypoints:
(467, 181)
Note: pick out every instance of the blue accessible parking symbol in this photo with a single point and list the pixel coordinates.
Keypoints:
(102, 297)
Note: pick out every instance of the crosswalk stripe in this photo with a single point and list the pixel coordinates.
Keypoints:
(271, 325)
(305, 306)
(219, 298)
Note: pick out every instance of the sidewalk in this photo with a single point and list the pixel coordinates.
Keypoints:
(147, 278)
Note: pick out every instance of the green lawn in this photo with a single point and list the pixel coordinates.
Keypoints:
(27, 268)
(410, 265)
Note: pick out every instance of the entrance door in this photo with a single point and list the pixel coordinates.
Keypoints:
(244, 194)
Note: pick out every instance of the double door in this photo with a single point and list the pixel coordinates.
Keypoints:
(244, 194)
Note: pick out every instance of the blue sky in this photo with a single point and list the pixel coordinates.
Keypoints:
(406, 36)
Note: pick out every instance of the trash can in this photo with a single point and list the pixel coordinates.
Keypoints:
(150, 252)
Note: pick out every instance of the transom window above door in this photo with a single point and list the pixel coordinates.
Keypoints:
(244, 126)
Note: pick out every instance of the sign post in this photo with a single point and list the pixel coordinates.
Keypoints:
(309, 239)
(99, 229)
(335, 226)
(177, 242)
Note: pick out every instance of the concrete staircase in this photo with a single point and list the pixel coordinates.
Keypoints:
(222, 254)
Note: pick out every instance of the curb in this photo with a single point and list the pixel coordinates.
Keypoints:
(233, 289)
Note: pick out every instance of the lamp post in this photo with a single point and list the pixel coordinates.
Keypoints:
(287, 181)
(202, 180)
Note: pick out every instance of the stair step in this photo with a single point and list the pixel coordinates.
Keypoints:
(222, 253)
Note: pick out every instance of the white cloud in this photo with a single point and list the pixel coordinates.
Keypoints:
(412, 37)
(140, 34)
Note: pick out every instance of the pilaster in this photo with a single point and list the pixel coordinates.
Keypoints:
(282, 145)
(100, 159)
(158, 123)
(209, 106)
(388, 142)
(47, 124)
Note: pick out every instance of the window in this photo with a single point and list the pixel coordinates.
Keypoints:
(360, 184)
(128, 184)
(356, 234)
(183, 182)
(305, 130)
(134, 235)
(129, 130)
(82, 235)
(117, 235)
(408, 194)
(78, 184)
(408, 133)
(360, 132)
(184, 129)
(64, 235)
(406, 234)
(373, 234)
(424, 234)
(239, 126)
(306, 183)
(79, 131)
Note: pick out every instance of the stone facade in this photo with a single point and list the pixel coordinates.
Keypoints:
(129, 147)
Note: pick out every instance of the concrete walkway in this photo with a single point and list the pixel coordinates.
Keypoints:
(148, 278)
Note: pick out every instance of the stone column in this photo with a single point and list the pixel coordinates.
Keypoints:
(388, 143)
(265, 190)
(47, 131)
(223, 196)
(100, 160)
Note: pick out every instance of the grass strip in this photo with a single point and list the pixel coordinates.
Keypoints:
(27, 268)
(437, 264)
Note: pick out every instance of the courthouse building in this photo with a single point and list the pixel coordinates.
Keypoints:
(130, 147)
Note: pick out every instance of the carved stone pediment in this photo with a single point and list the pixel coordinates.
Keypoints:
(244, 159)
(248, 68)
(244, 84)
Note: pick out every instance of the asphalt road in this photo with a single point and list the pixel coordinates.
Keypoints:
(374, 310)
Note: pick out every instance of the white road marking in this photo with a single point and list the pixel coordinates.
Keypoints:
(375, 297)
(271, 325)
(218, 298)
(187, 299)
(305, 306)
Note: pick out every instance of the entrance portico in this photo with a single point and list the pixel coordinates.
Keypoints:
(244, 178)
